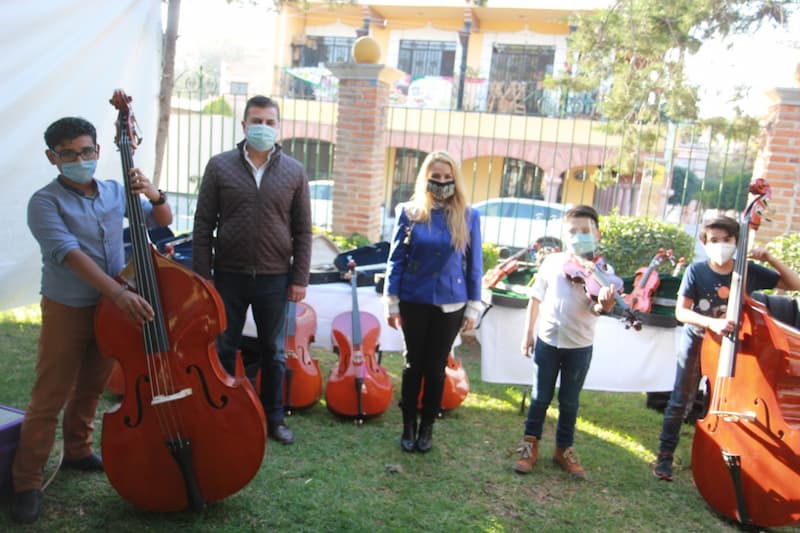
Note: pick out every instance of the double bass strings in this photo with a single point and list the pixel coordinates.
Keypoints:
(155, 337)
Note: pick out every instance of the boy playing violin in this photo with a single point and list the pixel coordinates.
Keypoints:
(563, 318)
(702, 303)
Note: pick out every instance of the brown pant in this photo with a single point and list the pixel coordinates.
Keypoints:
(70, 374)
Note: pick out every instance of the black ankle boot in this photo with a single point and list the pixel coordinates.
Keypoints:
(409, 434)
(425, 437)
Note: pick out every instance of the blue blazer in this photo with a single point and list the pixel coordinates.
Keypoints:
(424, 268)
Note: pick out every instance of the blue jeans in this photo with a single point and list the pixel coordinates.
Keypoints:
(687, 378)
(573, 364)
(267, 294)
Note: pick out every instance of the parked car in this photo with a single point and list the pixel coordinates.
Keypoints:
(321, 192)
(519, 222)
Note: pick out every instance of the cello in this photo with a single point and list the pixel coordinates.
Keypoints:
(358, 386)
(456, 385)
(186, 433)
(746, 446)
(302, 385)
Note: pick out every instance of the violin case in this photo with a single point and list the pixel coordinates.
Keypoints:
(370, 260)
(10, 425)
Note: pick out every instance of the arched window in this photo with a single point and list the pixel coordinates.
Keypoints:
(521, 179)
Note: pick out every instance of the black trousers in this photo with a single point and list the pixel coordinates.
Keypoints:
(429, 334)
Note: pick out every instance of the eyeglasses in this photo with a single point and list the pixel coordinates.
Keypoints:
(70, 156)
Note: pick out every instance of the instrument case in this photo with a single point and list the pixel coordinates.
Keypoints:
(370, 260)
(10, 425)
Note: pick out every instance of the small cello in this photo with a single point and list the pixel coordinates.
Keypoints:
(646, 282)
(456, 385)
(302, 385)
(746, 446)
(186, 433)
(358, 386)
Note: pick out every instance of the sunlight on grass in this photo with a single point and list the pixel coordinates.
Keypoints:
(484, 401)
(28, 314)
(612, 437)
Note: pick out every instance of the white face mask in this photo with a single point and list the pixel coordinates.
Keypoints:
(720, 252)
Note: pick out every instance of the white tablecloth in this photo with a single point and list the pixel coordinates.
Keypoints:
(623, 360)
(330, 299)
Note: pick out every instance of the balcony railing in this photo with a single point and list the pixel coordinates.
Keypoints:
(434, 92)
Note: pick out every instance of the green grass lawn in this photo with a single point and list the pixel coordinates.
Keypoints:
(340, 477)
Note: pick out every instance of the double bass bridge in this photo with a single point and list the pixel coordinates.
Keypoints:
(734, 416)
(161, 398)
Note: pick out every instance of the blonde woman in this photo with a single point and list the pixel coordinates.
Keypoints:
(433, 287)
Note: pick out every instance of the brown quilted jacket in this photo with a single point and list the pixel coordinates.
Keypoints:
(258, 231)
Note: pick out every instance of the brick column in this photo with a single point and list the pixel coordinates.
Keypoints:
(359, 163)
(778, 162)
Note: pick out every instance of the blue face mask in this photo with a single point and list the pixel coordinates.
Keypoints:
(582, 244)
(261, 137)
(80, 171)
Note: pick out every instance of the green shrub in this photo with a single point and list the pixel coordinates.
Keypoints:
(629, 243)
(491, 254)
(218, 107)
(786, 248)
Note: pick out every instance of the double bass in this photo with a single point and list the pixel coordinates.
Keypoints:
(746, 447)
(302, 385)
(358, 386)
(186, 433)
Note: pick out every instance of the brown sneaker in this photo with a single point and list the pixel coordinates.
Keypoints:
(567, 459)
(528, 454)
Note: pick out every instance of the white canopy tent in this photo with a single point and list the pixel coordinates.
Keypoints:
(65, 58)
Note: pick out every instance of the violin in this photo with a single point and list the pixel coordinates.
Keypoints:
(496, 274)
(646, 282)
(593, 275)
(163, 446)
(358, 386)
(302, 385)
(746, 446)
(456, 385)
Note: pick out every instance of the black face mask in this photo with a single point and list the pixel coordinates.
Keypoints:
(442, 190)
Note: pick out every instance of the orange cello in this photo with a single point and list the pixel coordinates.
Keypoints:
(456, 385)
(358, 387)
(186, 433)
(746, 447)
(302, 385)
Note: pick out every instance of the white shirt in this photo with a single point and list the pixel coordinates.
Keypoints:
(258, 173)
(565, 317)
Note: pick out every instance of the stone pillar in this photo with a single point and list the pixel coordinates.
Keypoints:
(359, 163)
(778, 162)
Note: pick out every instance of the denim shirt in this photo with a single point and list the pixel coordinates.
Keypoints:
(425, 268)
(63, 219)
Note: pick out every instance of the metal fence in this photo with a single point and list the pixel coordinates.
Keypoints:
(675, 172)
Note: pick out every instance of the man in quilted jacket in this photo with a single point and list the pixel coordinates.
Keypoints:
(252, 237)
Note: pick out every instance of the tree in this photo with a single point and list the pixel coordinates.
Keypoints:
(633, 53)
(167, 83)
(685, 186)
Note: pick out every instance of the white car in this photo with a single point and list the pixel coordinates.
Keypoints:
(321, 192)
(519, 222)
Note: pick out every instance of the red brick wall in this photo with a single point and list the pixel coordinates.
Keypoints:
(360, 153)
(778, 162)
